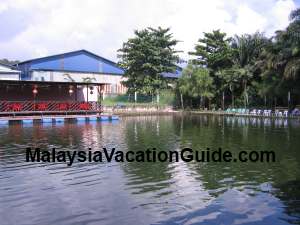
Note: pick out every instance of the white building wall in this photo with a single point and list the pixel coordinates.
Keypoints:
(84, 94)
(9, 76)
(6, 73)
(113, 82)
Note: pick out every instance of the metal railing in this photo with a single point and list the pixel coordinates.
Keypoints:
(48, 106)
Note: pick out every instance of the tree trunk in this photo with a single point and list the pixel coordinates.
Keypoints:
(223, 100)
(200, 106)
(232, 96)
(181, 99)
(245, 95)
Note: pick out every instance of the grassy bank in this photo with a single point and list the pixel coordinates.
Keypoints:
(166, 98)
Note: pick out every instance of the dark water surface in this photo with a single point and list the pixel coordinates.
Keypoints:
(152, 193)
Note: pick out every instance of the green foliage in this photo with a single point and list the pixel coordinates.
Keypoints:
(167, 98)
(9, 62)
(145, 57)
(249, 67)
(196, 83)
(247, 49)
(213, 51)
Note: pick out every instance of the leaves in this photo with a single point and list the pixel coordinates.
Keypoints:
(146, 56)
(196, 82)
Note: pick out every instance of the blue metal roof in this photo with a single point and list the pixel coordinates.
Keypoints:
(176, 74)
(76, 61)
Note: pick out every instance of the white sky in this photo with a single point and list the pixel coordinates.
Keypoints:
(32, 28)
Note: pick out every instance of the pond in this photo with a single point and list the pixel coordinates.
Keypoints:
(152, 193)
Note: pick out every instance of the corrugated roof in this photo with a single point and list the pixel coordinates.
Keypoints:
(67, 54)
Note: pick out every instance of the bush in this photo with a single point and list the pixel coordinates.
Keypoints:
(166, 98)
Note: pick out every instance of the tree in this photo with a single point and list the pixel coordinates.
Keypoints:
(146, 57)
(280, 62)
(247, 49)
(196, 83)
(9, 62)
(214, 52)
(230, 81)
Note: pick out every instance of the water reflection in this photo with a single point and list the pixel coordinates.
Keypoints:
(152, 193)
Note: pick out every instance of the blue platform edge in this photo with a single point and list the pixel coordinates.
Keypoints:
(27, 121)
(81, 119)
(59, 120)
(47, 120)
(3, 122)
(93, 118)
(62, 120)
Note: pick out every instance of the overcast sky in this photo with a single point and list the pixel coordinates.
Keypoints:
(36, 28)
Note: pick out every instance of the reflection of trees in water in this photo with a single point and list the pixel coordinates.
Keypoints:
(280, 179)
(142, 133)
(200, 132)
(236, 134)
(289, 194)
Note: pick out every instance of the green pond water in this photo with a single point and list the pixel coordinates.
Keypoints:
(152, 193)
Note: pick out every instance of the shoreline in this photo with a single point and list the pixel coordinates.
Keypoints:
(172, 112)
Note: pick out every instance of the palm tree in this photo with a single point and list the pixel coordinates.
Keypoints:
(68, 77)
(247, 49)
(285, 54)
(88, 79)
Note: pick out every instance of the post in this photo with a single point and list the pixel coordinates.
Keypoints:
(135, 97)
(181, 99)
(289, 99)
(87, 93)
(223, 100)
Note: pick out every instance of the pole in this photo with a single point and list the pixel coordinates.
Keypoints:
(181, 99)
(223, 100)
(135, 96)
(87, 93)
(289, 99)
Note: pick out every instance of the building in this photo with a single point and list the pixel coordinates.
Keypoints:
(73, 81)
(8, 72)
(68, 82)
(76, 66)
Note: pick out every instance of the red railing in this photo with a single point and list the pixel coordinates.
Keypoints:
(48, 106)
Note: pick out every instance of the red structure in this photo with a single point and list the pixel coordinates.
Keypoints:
(28, 97)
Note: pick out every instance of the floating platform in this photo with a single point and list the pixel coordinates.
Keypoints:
(57, 119)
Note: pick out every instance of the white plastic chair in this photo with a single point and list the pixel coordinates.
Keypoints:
(269, 112)
(265, 113)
